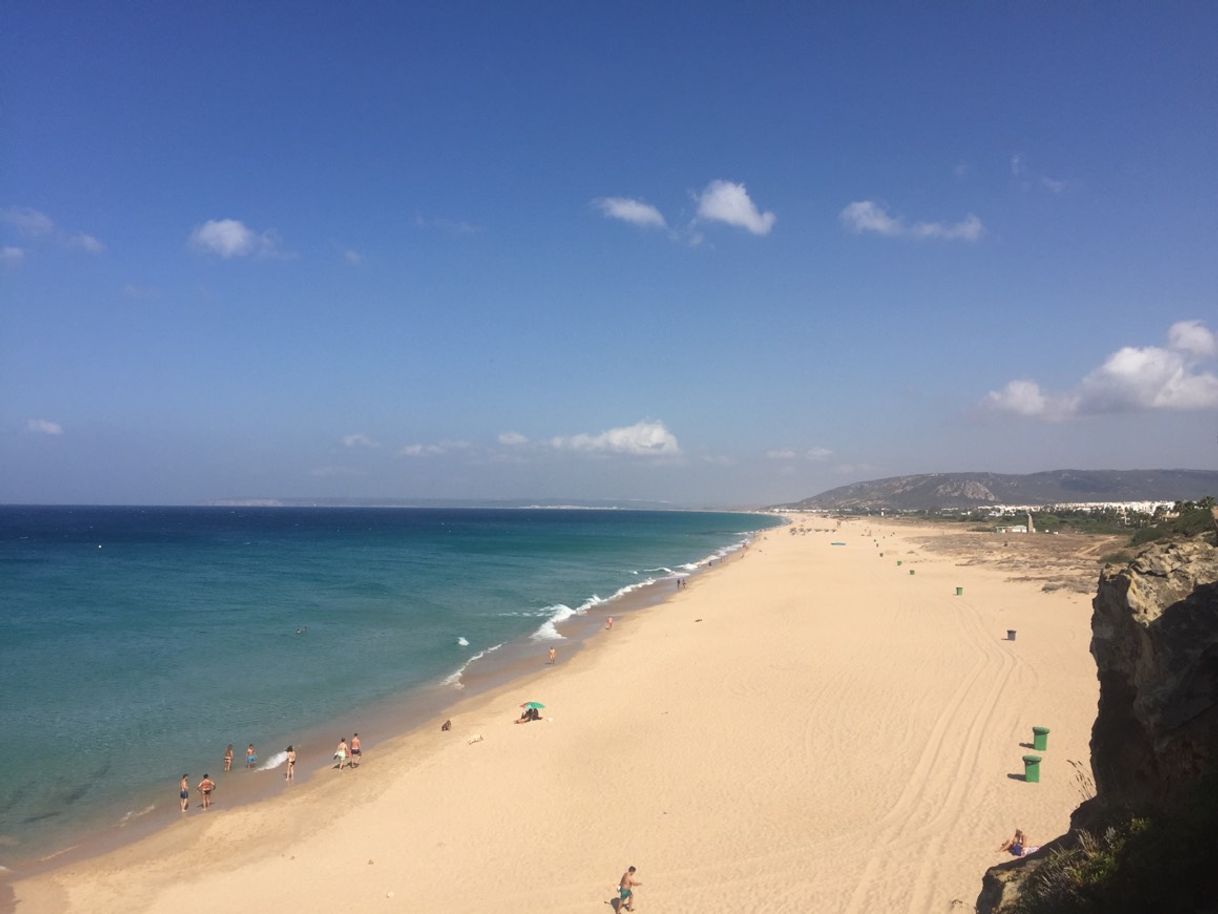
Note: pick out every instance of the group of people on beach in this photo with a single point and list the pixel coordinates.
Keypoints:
(348, 755)
(205, 788)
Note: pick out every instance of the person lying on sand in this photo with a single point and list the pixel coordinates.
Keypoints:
(528, 715)
(1017, 844)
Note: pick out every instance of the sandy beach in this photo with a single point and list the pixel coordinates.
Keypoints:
(807, 728)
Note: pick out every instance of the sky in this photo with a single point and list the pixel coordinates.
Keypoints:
(708, 254)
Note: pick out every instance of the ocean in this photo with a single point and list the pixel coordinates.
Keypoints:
(136, 643)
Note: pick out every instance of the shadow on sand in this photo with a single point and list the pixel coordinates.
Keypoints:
(1018, 777)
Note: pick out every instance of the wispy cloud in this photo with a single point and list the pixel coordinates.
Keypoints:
(626, 209)
(35, 225)
(336, 472)
(353, 257)
(512, 439)
(433, 450)
(228, 238)
(1053, 185)
(1132, 379)
(869, 216)
(44, 427)
(358, 440)
(728, 202)
(449, 226)
(27, 221)
(643, 439)
(11, 256)
(790, 453)
(1018, 166)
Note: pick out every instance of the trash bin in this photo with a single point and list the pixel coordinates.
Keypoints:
(1010, 634)
(911, 571)
(959, 591)
(898, 562)
(1031, 769)
(1040, 738)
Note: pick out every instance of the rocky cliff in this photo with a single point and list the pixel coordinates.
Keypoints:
(1155, 642)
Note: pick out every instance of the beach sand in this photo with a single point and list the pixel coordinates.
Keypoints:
(807, 728)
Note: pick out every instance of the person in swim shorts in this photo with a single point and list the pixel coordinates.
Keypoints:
(251, 757)
(290, 774)
(340, 753)
(357, 753)
(206, 786)
(625, 890)
(184, 791)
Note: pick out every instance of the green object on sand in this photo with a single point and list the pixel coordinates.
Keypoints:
(1040, 738)
(1031, 769)
(911, 571)
(898, 561)
(533, 704)
(837, 543)
(959, 591)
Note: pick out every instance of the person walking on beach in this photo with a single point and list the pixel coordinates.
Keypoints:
(552, 656)
(290, 774)
(609, 623)
(184, 792)
(206, 786)
(340, 753)
(228, 758)
(357, 751)
(625, 890)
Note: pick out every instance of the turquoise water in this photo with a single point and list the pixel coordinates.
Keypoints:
(136, 641)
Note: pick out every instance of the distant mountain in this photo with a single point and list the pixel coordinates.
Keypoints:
(933, 491)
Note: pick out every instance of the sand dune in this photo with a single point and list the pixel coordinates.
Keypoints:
(834, 735)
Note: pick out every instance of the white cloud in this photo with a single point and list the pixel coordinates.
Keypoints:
(1132, 379)
(513, 439)
(1018, 167)
(44, 427)
(1053, 185)
(353, 257)
(358, 440)
(1192, 337)
(781, 453)
(869, 216)
(11, 256)
(27, 221)
(86, 242)
(725, 201)
(643, 439)
(229, 238)
(636, 212)
(818, 453)
(719, 460)
(433, 450)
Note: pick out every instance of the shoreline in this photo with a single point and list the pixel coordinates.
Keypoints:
(387, 719)
(826, 717)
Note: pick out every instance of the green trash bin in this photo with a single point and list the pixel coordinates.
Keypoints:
(1031, 769)
(1040, 738)
(898, 562)
(959, 591)
(911, 571)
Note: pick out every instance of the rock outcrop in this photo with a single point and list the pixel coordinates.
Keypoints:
(1155, 641)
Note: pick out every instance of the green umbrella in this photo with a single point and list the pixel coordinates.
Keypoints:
(533, 704)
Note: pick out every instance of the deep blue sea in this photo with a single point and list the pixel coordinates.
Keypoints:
(135, 643)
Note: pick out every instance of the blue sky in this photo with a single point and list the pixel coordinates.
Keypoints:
(708, 254)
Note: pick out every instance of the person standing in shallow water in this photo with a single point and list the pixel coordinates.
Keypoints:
(357, 751)
(290, 774)
(184, 792)
(228, 758)
(552, 656)
(206, 786)
(251, 757)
